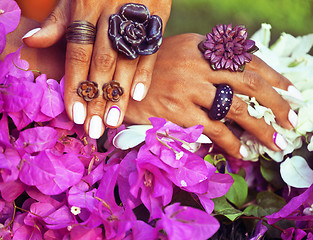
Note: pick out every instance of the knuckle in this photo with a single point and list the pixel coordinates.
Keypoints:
(79, 55)
(144, 73)
(103, 61)
(251, 80)
(216, 131)
(238, 108)
(96, 106)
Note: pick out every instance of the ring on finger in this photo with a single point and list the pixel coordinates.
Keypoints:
(88, 90)
(81, 32)
(222, 102)
(112, 91)
(134, 31)
(228, 48)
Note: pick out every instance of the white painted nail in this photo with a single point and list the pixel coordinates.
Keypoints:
(113, 116)
(79, 113)
(295, 92)
(243, 151)
(139, 92)
(293, 118)
(31, 33)
(95, 127)
(280, 141)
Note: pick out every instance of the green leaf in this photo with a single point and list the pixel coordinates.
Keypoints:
(238, 192)
(223, 207)
(266, 204)
(271, 172)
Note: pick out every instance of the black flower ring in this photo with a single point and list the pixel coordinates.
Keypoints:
(134, 31)
(222, 102)
(228, 48)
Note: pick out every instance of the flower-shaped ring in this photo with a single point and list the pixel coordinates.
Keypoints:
(134, 31)
(112, 91)
(88, 90)
(228, 48)
(222, 102)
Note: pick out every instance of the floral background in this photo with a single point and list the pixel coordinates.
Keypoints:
(158, 181)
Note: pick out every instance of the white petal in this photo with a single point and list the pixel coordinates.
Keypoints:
(131, 137)
(204, 139)
(263, 35)
(296, 172)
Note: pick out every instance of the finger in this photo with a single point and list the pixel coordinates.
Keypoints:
(102, 68)
(239, 113)
(252, 84)
(124, 73)
(52, 29)
(77, 64)
(143, 76)
(219, 134)
(271, 76)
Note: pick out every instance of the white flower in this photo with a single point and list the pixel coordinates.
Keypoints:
(296, 172)
(75, 210)
(134, 135)
(310, 146)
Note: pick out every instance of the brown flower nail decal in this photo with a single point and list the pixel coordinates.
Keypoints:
(88, 90)
(112, 91)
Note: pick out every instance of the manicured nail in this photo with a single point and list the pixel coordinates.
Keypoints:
(31, 33)
(139, 92)
(243, 151)
(280, 141)
(113, 116)
(79, 113)
(95, 127)
(295, 92)
(293, 118)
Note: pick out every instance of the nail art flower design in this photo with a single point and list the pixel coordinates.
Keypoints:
(112, 91)
(228, 48)
(88, 90)
(134, 31)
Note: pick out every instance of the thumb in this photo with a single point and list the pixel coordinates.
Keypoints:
(52, 29)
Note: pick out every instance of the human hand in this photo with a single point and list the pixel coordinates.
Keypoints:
(99, 61)
(182, 91)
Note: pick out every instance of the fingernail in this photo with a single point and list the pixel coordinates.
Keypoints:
(293, 118)
(79, 113)
(139, 92)
(243, 151)
(31, 33)
(95, 127)
(295, 92)
(113, 116)
(280, 141)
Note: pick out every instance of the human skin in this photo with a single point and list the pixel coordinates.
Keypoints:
(99, 61)
(182, 89)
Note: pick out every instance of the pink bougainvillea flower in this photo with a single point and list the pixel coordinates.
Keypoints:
(2, 38)
(37, 139)
(14, 66)
(293, 205)
(293, 234)
(182, 222)
(10, 14)
(52, 102)
(50, 173)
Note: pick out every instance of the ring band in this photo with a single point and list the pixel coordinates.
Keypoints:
(222, 102)
(81, 32)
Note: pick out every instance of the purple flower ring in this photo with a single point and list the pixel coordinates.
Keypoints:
(134, 31)
(222, 102)
(81, 32)
(88, 90)
(228, 48)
